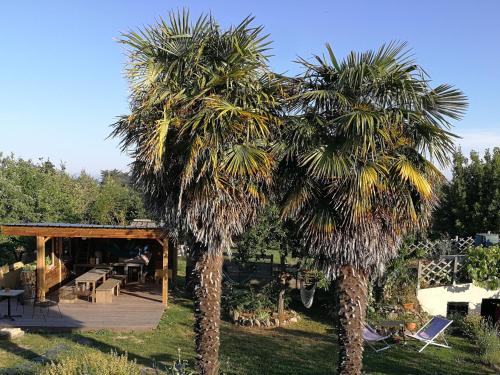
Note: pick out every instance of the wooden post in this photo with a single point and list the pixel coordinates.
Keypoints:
(40, 267)
(59, 257)
(419, 274)
(53, 249)
(455, 270)
(164, 284)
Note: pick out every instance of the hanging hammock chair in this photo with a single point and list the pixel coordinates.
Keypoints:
(307, 293)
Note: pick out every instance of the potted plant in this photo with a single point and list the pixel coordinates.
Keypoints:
(28, 279)
(410, 321)
(408, 306)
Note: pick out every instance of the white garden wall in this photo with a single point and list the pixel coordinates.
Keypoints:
(434, 301)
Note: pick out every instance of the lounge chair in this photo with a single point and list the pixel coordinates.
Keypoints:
(430, 331)
(371, 336)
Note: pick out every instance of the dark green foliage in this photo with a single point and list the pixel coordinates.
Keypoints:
(252, 299)
(483, 266)
(470, 202)
(7, 252)
(484, 335)
(399, 282)
(258, 239)
(116, 202)
(268, 235)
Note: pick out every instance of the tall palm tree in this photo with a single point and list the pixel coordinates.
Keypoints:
(359, 152)
(202, 110)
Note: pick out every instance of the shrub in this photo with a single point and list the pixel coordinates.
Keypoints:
(91, 362)
(252, 299)
(468, 325)
(261, 315)
(485, 336)
(483, 266)
(488, 343)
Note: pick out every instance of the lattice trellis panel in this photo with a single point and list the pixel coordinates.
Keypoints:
(460, 245)
(443, 247)
(436, 272)
(442, 271)
(428, 246)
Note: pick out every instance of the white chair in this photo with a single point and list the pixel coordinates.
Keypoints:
(430, 332)
(371, 336)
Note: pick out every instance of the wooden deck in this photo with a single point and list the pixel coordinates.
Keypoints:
(138, 308)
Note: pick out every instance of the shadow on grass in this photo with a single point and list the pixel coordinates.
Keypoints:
(299, 334)
(18, 350)
(405, 359)
(276, 351)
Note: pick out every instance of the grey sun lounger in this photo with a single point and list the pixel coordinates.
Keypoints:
(370, 336)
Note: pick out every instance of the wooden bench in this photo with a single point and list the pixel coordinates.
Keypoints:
(104, 292)
(122, 278)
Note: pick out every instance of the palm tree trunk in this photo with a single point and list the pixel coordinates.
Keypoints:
(352, 291)
(207, 280)
(190, 264)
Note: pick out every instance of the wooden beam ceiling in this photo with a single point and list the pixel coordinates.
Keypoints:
(87, 232)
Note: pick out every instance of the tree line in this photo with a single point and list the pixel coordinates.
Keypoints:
(470, 201)
(39, 191)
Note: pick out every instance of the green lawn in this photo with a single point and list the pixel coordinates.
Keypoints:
(307, 347)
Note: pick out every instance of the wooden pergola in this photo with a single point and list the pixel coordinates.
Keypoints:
(57, 231)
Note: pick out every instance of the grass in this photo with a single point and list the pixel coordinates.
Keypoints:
(307, 347)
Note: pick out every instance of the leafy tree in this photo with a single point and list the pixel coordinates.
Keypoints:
(41, 192)
(358, 178)
(482, 265)
(270, 234)
(202, 110)
(470, 202)
(264, 237)
(36, 192)
(119, 176)
(116, 202)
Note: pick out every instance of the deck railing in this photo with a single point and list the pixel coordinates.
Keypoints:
(53, 278)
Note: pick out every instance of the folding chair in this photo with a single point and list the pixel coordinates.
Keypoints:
(371, 336)
(430, 331)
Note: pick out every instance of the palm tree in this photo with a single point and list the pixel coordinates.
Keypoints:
(202, 110)
(359, 147)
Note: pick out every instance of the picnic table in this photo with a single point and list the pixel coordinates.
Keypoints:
(91, 278)
(10, 294)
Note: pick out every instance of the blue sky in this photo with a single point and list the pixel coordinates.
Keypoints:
(61, 83)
